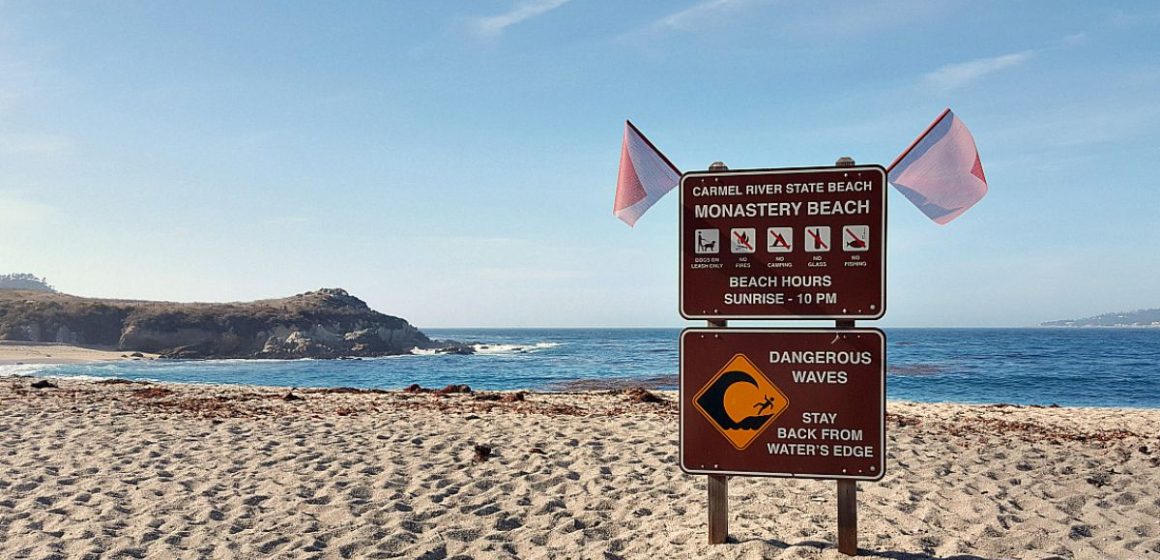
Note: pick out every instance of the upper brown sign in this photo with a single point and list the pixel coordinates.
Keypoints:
(805, 403)
(784, 243)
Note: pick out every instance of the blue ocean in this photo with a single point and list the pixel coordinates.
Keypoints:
(1068, 367)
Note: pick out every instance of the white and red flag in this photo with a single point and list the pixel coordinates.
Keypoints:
(645, 176)
(941, 172)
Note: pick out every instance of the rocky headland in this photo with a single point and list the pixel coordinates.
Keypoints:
(328, 323)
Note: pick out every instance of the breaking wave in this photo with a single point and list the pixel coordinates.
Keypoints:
(513, 348)
(916, 369)
(23, 369)
(495, 349)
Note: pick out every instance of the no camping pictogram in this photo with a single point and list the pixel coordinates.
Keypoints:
(740, 402)
(779, 239)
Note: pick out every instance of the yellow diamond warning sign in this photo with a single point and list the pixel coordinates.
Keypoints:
(740, 402)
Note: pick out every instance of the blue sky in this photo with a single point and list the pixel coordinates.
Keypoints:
(454, 163)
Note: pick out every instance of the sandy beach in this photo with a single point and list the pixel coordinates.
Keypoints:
(14, 353)
(133, 470)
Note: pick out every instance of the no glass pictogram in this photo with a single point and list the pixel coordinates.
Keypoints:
(818, 239)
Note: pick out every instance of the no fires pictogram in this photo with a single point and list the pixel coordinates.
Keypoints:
(743, 240)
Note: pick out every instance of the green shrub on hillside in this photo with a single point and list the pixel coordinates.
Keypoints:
(24, 281)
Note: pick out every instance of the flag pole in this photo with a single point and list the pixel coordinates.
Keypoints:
(917, 140)
(653, 146)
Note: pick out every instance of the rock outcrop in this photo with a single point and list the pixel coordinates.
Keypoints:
(328, 323)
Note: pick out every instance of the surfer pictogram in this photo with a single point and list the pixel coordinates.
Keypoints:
(767, 403)
(740, 402)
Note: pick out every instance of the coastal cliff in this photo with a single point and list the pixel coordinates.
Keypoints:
(328, 323)
(1137, 318)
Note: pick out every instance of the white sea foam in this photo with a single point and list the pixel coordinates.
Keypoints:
(244, 361)
(513, 348)
(494, 349)
(87, 378)
(23, 369)
(46, 371)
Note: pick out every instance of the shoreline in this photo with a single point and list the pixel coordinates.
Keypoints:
(13, 353)
(588, 387)
(115, 386)
(60, 361)
(576, 387)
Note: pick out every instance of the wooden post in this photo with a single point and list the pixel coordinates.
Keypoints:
(718, 492)
(718, 509)
(848, 517)
(718, 484)
(847, 489)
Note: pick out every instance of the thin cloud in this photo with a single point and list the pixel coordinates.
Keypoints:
(509, 275)
(286, 221)
(955, 76)
(691, 17)
(1084, 126)
(1121, 18)
(33, 144)
(1074, 40)
(494, 26)
(18, 213)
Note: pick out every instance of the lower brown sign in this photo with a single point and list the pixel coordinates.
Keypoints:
(808, 403)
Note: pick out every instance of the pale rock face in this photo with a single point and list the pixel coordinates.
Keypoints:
(299, 344)
(156, 340)
(273, 345)
(33, 332)
(65, 335)
(323, 334)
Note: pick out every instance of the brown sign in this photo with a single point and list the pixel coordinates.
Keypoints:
(807, 403)
(784, 243)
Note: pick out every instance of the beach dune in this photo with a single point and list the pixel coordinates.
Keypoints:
(130, 470)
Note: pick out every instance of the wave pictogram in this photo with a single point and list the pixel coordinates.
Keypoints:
(728, 405)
